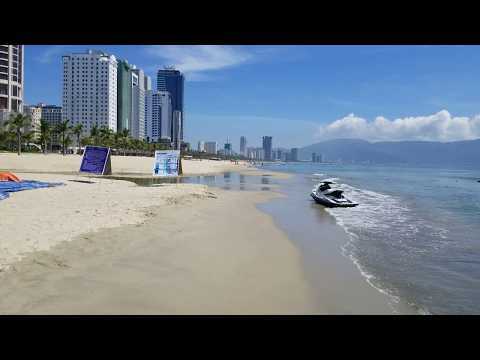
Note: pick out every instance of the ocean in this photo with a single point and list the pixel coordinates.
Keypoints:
(415, 235)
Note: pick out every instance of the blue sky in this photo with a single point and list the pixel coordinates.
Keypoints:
(302, 94)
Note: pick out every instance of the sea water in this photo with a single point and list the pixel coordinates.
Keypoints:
(415, 234)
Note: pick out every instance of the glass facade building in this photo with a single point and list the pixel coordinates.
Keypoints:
(267, 148)
(172, 80)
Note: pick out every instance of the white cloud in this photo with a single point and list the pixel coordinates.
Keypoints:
(441, 126)
(196, 59)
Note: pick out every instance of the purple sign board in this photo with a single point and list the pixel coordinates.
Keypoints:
(96, 160)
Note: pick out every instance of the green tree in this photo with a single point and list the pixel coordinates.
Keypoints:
(124, 140)
(94, 134)
(77, 131)
(16, 124)
(62, 129)
(45, 132)
(106, 136)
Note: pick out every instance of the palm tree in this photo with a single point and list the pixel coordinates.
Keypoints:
(28, 137)
(105, 135)
(94, 133)
(77, 131)
(62, 129)
(16, 124)
(45, 132)
(124, 137)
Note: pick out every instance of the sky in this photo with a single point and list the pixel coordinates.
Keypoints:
(301, 94)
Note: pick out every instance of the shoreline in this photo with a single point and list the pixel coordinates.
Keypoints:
(94, 212)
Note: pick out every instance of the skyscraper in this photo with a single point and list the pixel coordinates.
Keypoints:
(90, 90)
(201, 146)
(243, 145)
(171, 80)
(11, 79)
(177, 135)
(294, 154)
(159, 115)
(211, 147)
(124, 95)
(52, 114)
(267, 148)
(138, 105)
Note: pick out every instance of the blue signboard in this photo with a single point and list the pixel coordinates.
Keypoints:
(96, 160)
(167, 163)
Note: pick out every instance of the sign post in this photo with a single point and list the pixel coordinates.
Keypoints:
(167, 163)
(96, 160)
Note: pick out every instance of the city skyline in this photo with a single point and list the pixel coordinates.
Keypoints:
(339, 91)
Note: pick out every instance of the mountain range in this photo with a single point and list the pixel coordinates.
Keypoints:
(427, 153)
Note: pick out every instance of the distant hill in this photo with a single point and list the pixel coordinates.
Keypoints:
(451, 154)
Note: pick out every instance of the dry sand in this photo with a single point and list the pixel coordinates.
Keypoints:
(198, 253)
(112, 247)
(55, 163)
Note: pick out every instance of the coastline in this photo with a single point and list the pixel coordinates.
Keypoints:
(112, 247)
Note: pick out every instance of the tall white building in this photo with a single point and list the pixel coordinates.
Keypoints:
(201, 146)
(159, 115)
(90, 90)
(11, 80)
(138, 105)
(35, 114)
(211, 147)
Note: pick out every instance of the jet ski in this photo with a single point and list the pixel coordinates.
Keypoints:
(323, 194)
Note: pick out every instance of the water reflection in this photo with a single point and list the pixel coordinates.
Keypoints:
(227, 181)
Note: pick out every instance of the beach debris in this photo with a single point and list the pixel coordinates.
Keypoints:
(83, 181)
(8, 176)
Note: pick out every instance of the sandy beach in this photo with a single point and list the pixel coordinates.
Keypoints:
(136, 165)
(99, 245)
(112, 247)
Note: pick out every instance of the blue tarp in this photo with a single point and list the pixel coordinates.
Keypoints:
(12, 186)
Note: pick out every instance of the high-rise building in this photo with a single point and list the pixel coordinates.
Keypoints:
(35, 114)
(90, 90)
(52, 115)
(228, 148)
(211, 147)
(201, 146)
(267, 148)
(124, 95)
(138, 105)
(243, 145)
(159, 115)
(314, 157)
(11, 79)
(294, 154)
(177, 135)
(171, 80)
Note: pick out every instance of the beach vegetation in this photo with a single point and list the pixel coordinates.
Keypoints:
(45, 132)
(15, 127)
(62, 129)
(77, 131)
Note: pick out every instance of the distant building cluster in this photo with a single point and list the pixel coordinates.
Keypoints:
(317, 158)
(264, 153)
(100, 90)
